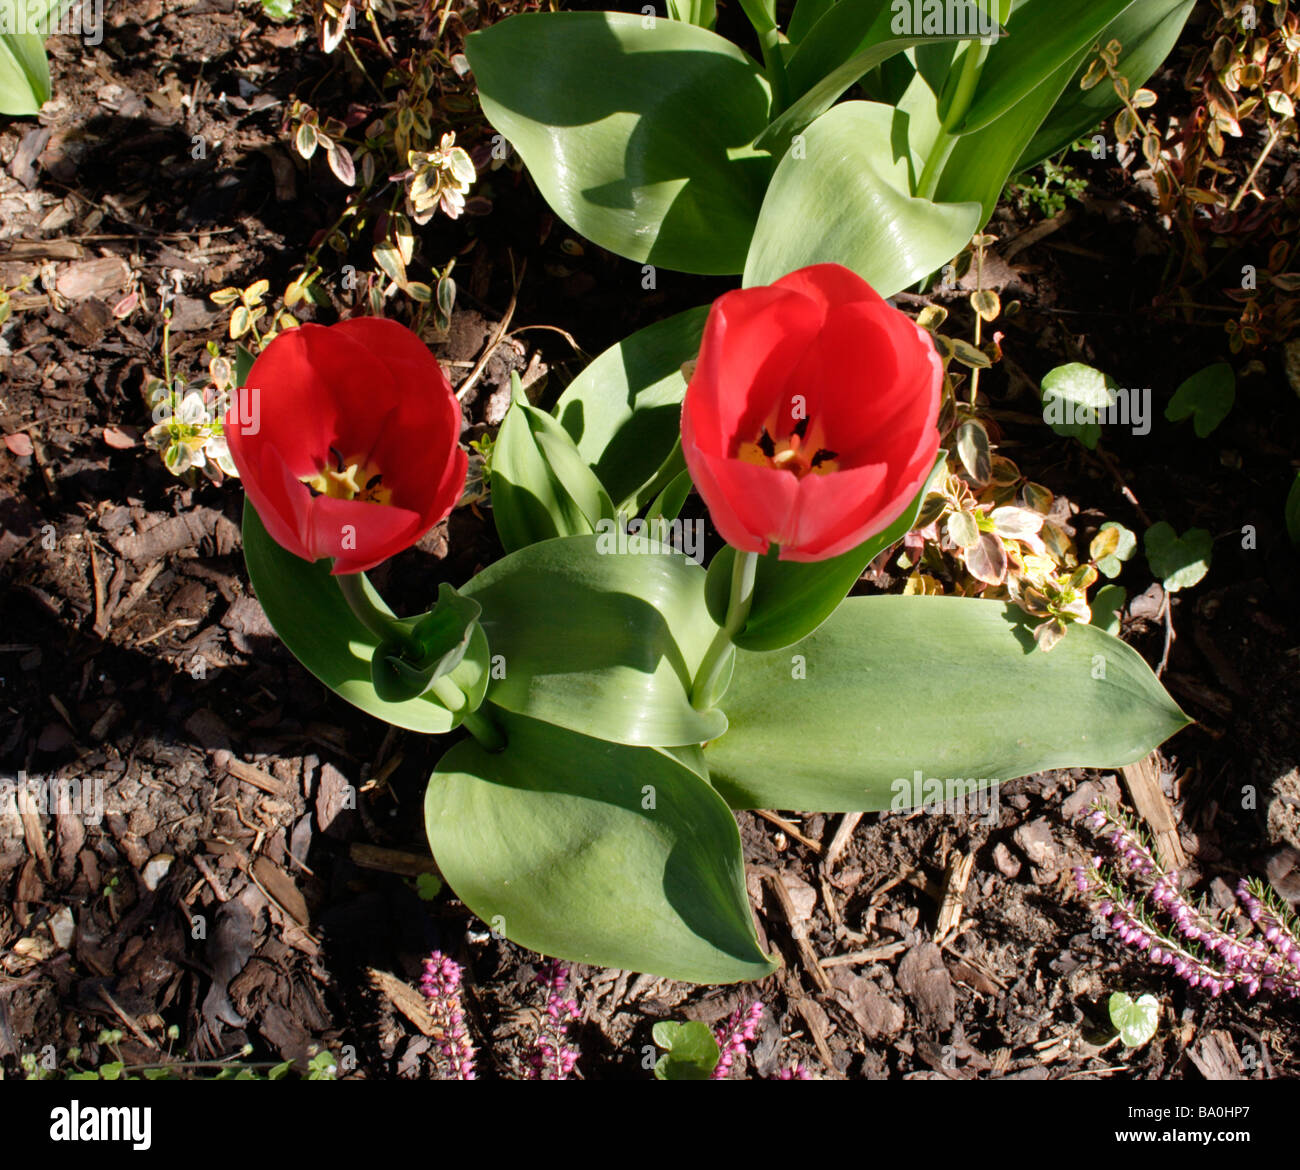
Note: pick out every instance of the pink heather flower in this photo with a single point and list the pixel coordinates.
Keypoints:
(552, 1057)
(441, 986)
(738, 1030)
(1201, 946)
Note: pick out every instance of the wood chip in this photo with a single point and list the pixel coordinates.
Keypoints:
(843, 834)
(956, 878)
(405, 999)
(1143, 782)
(230, 763)
(391, 860)
(798, 931)
(1217, 1057)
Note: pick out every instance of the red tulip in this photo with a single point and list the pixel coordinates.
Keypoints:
(347, 441)
(809, 422)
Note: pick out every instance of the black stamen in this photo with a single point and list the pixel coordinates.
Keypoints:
(765, 444)
(373, 482)
(338, 458)
(823, 455)
(801, 427)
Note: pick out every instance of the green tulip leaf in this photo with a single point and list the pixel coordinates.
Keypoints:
(313, 619)
(624, 411)
(1148, 30)
(602, 642)
(792, 598)
(1043, 37)
(848, 193)
(24, 69)
(847, 42)
(595, 852)
(1291, 511)
(1205, 398)
(892, 693)
(691, 1051)
(606, 108)
(541, 486)
(24, 74)
(438, 644)
(1179, 562)
(983, 160)
(703, 13)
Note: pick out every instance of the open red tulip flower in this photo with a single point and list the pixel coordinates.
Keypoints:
(346, 438)
(810, 419)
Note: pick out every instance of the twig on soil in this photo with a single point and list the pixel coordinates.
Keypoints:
(1167, 612)
(798, 931)
(956, 878)
(129, 1021)
(179, 623)
(841, 839)
(391, 860)
(228, 762)
(1110, 465)
(788, 828)
(491, 347)
(1143, 783)
(871, 955)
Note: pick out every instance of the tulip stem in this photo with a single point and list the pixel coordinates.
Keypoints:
(490, 737)
(716, 658)
(383, 625)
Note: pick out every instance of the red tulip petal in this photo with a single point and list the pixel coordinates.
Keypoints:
(753, 340)
(830, 285)
(359, 534)
(282, 501)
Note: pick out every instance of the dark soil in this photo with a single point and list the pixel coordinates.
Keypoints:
(134, 653)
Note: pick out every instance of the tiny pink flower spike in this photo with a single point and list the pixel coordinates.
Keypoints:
(441, 987)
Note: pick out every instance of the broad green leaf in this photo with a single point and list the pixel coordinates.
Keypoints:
(303, 602)
(667, 505)
(893, 692)
(541, 487)
(1148, 30)
(601, 642)
(24, 69)
(24, 74)
(847, 191)
(596, 853)
(1205, 397)
(845, 44)
(806, 15)
(624, 411)
(1074, 397)
(1044, 36)
(793, 598)
(637, 132)
(703, 13)
(1134, 1020)
(1179, 562)
(983, 161)
(691, 1051)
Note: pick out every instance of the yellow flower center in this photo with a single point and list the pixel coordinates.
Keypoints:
(795, 453)
(349, 479)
